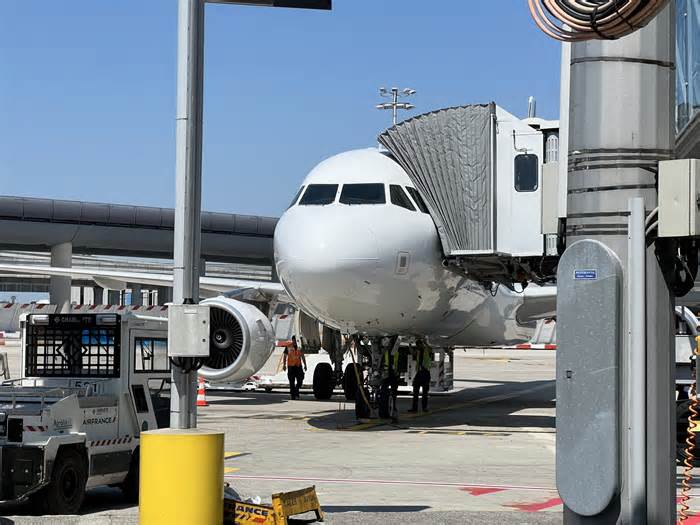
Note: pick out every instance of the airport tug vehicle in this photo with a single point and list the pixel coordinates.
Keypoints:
(93, 383)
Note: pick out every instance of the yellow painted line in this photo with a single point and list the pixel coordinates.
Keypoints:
(363, 426)
(229, 455)
(228, 470)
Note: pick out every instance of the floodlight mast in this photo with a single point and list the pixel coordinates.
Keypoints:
(188, 174)
(395, 105)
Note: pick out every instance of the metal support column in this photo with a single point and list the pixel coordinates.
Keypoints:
(60, 287)
(98, 295)
(136, 294)
(621, 107)
(114, 297)
(188, 166)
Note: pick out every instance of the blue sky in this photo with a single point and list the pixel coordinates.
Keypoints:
(87, 89)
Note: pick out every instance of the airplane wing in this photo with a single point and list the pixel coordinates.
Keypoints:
(117, 279)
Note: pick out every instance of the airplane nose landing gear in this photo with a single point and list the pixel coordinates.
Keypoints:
(378, 371)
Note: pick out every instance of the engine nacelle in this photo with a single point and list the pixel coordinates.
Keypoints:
(242, 340)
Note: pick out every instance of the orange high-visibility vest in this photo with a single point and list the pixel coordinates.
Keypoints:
(293, 356)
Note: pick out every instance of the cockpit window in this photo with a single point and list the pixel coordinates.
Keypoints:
(417, 199)
(319, 194)
(296, 197)
(363, 194)
(398, 197)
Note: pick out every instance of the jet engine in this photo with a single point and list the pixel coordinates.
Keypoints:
(242, 340)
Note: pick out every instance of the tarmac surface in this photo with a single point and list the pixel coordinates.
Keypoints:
(483, 454)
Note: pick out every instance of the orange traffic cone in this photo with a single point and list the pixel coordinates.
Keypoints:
(201, 394)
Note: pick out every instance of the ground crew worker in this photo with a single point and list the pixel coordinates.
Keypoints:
(293, 360)
(423, 358)
(390, 362)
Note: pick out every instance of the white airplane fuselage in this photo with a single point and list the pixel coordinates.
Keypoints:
(376, 268)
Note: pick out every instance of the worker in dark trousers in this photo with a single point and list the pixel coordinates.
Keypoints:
(294, 358)
(390, 364)
(423, 359)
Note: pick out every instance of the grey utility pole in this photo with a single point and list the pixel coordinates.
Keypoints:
(395, 105)
(188, 188)
(621, 124)
(188, 174)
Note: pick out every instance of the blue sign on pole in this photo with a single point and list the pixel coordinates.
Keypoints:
(585, 275)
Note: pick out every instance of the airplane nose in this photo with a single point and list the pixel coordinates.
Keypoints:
(327, 265)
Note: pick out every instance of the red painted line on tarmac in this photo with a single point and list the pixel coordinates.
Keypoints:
(480, 491)
(536, 507)
(393, 482)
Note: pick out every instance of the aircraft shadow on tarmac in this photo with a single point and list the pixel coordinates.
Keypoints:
(472, 407)
(232, 398)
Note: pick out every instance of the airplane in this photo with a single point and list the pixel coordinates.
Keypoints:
(359, 251)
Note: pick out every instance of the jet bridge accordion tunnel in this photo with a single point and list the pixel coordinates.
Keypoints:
(480, 170)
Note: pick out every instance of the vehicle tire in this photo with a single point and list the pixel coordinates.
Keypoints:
(130, 485)
(362, 409)
(350, 381)
(268, 389)
(384, 401)
(323, 381)
(65, 492)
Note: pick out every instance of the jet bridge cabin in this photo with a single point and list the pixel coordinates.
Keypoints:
(490, 182)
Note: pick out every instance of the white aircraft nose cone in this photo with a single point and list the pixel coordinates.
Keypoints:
(327, 262)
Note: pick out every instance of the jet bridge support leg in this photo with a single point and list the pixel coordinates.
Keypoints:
(621, 125)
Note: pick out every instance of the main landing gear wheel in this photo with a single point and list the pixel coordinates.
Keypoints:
(350, 381)
(323, 381)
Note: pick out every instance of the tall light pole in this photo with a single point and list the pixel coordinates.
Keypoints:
(188, 169)
(395, 105)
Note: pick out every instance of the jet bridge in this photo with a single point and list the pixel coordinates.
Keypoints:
(482, 173)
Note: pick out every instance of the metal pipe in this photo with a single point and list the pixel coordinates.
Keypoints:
(636, 395)
(188, 190)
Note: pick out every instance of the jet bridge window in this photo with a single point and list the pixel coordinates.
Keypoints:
(319, 194)
(399, 198)
(526, 172)
(363, 194)
(417, 199)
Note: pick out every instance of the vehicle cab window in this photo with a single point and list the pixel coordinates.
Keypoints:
(363, 194)
(319, 194)
(417, 199)
(399, 197)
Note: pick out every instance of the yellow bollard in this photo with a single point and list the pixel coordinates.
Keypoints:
(182, 477)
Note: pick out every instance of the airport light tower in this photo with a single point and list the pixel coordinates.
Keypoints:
(395, 105)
